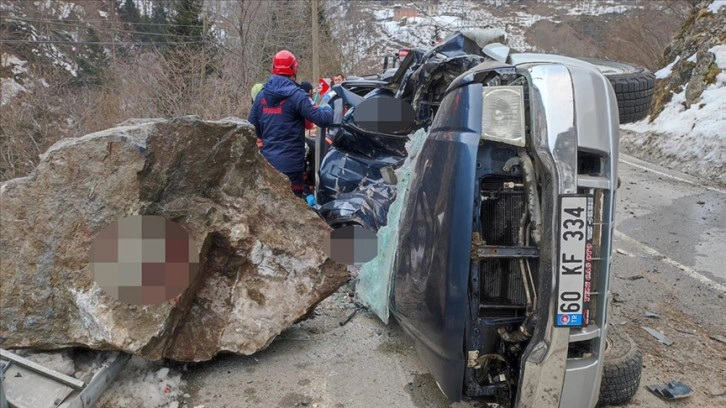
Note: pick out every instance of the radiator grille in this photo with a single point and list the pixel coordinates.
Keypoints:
(502, 292)
(501, 214)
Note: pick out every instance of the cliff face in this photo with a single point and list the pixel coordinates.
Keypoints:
(692, 62)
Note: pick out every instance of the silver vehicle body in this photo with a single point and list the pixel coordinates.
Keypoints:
(578, 110)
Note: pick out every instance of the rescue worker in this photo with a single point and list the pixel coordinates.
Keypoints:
(278, 115)
(256, 88)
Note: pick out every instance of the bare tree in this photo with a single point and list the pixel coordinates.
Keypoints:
(210, 77)
(642, 37)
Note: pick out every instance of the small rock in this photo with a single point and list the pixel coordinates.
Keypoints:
(685, 331)
(658, 336)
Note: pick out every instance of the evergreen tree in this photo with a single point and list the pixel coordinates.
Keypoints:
(91, 63)
(129, 14)
(187, 24)
(190, 51)
(155, 26)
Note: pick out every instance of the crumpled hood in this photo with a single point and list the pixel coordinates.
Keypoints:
(278, 88)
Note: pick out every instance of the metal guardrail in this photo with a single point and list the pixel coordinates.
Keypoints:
(27, 384)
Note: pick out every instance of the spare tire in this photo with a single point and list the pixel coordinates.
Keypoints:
(622, 368)
(633, 85)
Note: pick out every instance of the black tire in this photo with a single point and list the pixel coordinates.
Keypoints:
(633, 85)
(623, 366)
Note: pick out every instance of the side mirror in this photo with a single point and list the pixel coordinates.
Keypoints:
(386, 115)
(497, 51)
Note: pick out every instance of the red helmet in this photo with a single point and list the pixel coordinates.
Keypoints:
(284, 63)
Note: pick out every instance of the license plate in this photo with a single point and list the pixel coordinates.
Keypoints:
(574, 261)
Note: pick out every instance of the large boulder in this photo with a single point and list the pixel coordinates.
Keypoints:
(262, 265)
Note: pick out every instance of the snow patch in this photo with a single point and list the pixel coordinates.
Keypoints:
(700, 121)
(666, 71)
(17, 66)
(9, 89)
(60, 361)
(719, 51)
(65, 10)
(144, 384)
(382, 14)
(597, 9)
(717, 4)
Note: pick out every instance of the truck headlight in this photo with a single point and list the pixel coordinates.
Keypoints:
(503, 114)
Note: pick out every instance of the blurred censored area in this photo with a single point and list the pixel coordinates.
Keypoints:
(352, 245)
(144, 259)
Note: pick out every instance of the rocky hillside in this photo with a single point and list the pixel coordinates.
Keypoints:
(687, 126)
(369, 30)
(691, 63)
(66, 37)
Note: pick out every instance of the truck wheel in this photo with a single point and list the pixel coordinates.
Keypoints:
(633, 85)
(622, 367)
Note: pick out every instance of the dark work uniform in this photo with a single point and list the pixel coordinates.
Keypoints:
(278, 115)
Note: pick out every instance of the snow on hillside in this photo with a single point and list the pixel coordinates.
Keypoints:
(597, 8)
(691, 140)
(8, 86)
(701, 121)
(716, 5)
(55, 42)
(370, 30)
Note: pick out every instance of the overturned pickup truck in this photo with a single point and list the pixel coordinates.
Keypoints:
(500, 261)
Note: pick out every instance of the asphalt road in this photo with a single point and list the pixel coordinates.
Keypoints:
(670, 260)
